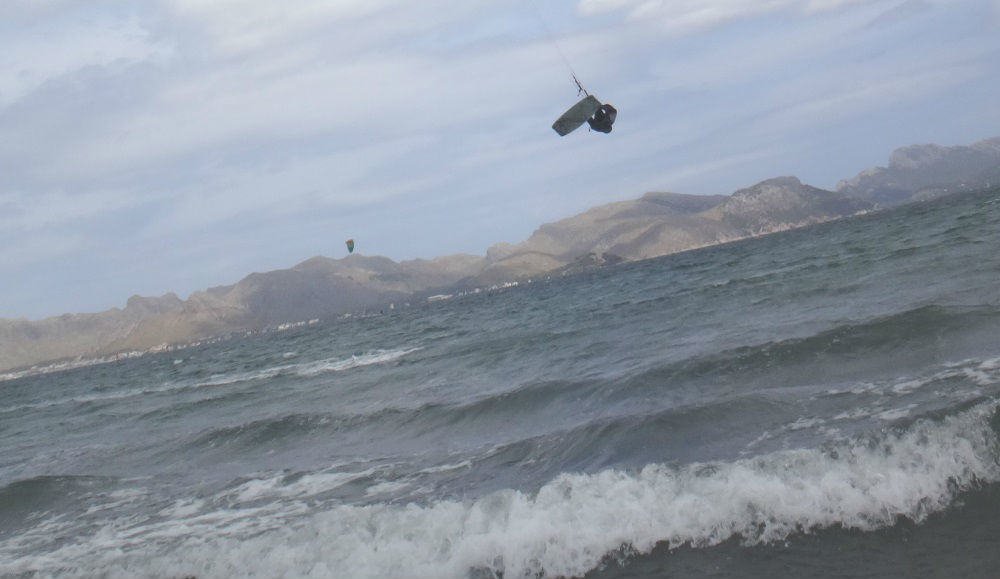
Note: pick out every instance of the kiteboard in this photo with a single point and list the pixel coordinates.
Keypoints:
(576, 115)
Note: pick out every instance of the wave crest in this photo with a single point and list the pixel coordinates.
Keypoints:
(574, 521)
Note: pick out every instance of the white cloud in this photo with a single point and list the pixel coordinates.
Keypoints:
(240, 25)
(687, 16)
(900, 12)
(290, 187)
(313, 84)
(600, 6)
(813, 6)
(825, 109)
(30, 58)
(41, 248)
(26, 212)
(688, 173)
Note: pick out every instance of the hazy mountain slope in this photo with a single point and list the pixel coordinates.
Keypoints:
(69, 335)
(602, 228)
(663, 223)
(924, 171)
(625, 228)
(318, 287)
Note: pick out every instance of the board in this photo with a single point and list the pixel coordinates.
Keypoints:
(576, 115)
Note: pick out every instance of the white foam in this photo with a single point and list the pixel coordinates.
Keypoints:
(985, 373)
(858, 413)
(907, 386)
(183, 509)
(386, 488)
(804, 423)
(896, 413)
(303, 487)
(338, 365)
(568, 525)
(447, 467)
(314, 368)
(84, 399)
(991, 364)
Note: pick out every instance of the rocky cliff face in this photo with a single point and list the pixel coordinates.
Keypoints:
(926, 171)
(781, 203)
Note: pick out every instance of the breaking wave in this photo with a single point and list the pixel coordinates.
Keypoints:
(568, 526)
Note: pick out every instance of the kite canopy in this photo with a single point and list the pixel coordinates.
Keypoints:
(350, 245)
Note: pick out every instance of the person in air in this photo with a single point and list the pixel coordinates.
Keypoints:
(603, 118)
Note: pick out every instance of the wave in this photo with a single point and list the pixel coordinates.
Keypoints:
(650, 428)
(253, 434)
(874, 337)
(570, 424)
(431, 417)
(309, 369)
(304, 369)
(573, 522)
(20, 494)
(841, 346)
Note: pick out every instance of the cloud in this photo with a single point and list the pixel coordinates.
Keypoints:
(291, 186)
(40, 248)
(325, 82)
(30, 58)
(836, 106)
(24, 212)
(242, 25)
(900, 12)
(688, 16)
(192, 128)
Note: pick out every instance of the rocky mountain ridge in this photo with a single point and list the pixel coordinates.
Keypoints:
(656, 224)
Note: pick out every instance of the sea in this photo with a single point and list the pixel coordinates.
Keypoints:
(822, 402)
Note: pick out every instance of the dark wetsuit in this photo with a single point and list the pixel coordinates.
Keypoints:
(603, 118)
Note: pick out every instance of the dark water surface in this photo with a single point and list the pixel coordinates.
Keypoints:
(816, 403)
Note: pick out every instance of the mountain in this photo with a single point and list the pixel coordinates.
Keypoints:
(921, 172)
(663, 223)
(655, 224)
(779, 204)
(318, 287)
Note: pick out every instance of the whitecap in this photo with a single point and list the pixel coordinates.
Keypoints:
(568, 526)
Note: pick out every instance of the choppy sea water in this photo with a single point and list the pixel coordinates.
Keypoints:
(817, 403)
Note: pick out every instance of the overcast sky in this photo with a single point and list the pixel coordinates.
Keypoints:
(174, 145)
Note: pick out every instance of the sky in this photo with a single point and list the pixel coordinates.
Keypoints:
(175, 145)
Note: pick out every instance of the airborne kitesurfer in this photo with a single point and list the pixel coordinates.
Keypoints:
(603, 118)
